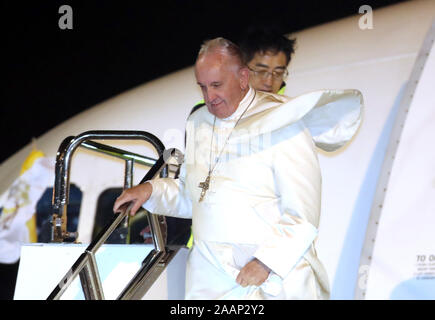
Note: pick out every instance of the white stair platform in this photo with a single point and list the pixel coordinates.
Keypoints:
(43, 265)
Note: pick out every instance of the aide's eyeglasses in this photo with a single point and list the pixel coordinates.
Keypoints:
(276, 74)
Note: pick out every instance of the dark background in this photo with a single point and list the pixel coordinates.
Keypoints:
(51, 74)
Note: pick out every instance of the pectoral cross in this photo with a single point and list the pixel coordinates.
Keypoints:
(204, 186)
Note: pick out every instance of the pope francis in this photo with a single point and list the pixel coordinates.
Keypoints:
(251, 183)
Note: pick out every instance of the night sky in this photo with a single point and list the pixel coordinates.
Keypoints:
(50, 74)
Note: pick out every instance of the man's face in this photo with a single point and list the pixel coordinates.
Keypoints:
(262, 66)
(222, 82)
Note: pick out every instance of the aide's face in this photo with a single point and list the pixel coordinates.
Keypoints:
(221, 84)
(263, 63)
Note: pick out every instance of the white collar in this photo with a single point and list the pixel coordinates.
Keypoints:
(242, 105)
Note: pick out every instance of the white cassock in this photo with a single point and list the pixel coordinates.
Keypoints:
(264, 195)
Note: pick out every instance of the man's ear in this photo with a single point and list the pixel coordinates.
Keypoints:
(244, 78)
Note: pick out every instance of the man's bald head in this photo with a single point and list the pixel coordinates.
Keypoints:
(224, 47)
(222, 76)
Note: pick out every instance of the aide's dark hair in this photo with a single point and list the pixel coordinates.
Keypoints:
(265, 39)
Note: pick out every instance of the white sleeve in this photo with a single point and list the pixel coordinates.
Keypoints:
(169, 197)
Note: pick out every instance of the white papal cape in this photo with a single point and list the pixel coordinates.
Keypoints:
(264, 195)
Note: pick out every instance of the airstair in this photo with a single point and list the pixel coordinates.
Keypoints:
(85, 267)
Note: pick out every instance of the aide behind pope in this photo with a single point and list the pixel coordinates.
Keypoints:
(251, 183)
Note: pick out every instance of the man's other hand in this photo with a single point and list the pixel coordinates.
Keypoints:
(254, 273)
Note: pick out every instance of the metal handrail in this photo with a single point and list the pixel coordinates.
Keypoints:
(86, 266)
(118, 153)
(124, 155)
(63, 165)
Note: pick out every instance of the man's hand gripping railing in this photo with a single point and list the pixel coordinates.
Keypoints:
(153, 265)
